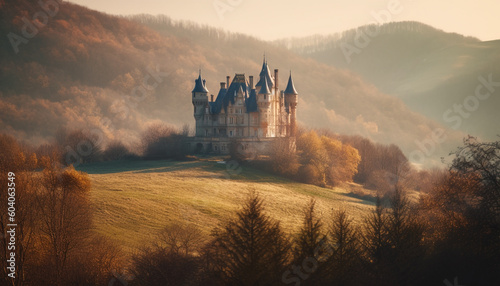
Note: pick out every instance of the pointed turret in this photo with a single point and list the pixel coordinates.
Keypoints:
(265, 75)
(291, 100)
(265, 67)
(290, 87)
(265, 88)
(199, 85)
(200, 103)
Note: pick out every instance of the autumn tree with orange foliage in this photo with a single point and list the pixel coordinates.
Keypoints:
(326, 161)
(14, 158)
(55, 240)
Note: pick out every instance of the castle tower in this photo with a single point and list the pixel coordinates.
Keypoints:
(200, 103)
(264, 103)
(291, 99)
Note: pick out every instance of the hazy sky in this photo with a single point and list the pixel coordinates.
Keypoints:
(274, 19)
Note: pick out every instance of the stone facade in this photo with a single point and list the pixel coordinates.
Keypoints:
(242, 112)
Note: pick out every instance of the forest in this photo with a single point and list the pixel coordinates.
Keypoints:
(450, 230)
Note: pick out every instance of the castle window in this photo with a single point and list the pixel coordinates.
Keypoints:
(230, 120)
(231, 133)
(216, 148)
(215, 131)
(265, 97)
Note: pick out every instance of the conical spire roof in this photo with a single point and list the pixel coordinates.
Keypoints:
(265, 75)
(265, 88)
(199, 85)
(290, 87)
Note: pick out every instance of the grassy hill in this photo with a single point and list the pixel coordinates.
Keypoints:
(135, 199)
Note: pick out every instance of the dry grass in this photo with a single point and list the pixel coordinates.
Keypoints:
(134, 199)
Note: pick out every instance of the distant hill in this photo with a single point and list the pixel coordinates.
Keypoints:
(429, 69)
(85, 69)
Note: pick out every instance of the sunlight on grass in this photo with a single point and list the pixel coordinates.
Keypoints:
(134, 199)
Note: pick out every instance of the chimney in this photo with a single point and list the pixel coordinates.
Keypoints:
(251, 82)
(212, 98)
(223, 85)
(227, 80)
(276, 79)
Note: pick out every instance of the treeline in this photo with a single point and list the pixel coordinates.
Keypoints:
(184, 28)
(323, 158)
(319, 43)
(54, 238)
(318, 157)
(451, 233)
(80, 146)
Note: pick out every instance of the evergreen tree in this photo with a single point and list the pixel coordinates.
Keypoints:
(343, 265)
(249, 250)
(311, 245)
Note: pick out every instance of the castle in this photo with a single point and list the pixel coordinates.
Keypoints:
(252, 115)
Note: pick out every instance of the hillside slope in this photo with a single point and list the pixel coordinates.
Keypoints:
(133, 200)
(429, 69)
(85, 69)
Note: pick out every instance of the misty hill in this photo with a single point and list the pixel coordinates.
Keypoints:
(429, 69)
(85, 69)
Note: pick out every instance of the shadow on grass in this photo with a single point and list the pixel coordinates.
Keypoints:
(366, 199)
(138, 166)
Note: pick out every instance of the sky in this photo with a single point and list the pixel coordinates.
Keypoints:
(274, 19)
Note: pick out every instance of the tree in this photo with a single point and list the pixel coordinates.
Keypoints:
(14, 160)
(481, 160)
(311, 245)
(405, 250)
(155, 266)
(250, 249)
(344, 238)
(161, 141)
(375, 242)
(152, 136)
(185, 239)
(65, 216)
(326, 161)
(343, 161)
(463, 210)
(313, 158)
(283, 157)
(115, 150)
(79, 146)
(310, 234)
